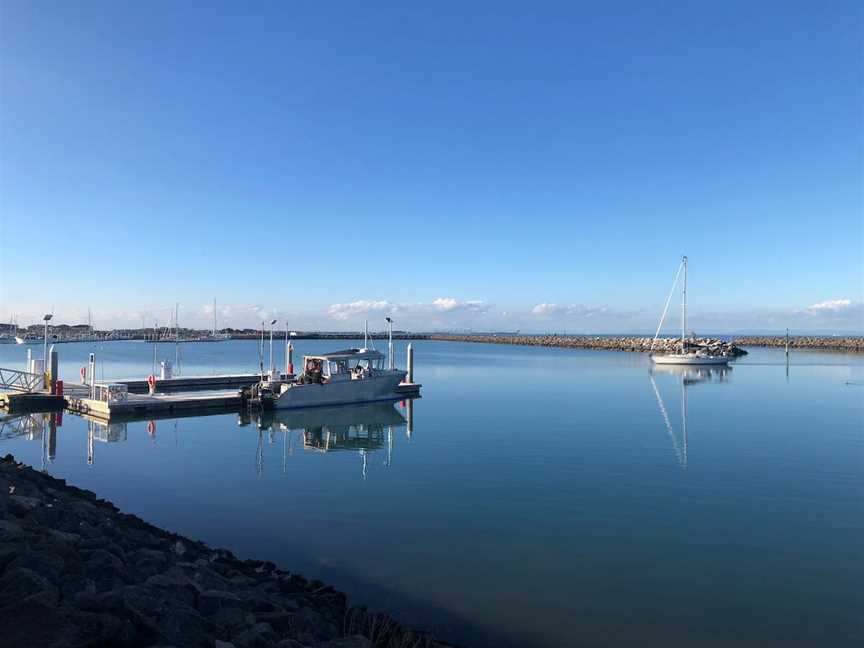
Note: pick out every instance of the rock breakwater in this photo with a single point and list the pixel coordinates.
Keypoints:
(826, 343)
(75, 571)
(609, 343)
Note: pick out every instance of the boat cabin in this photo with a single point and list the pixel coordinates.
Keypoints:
(350, 364)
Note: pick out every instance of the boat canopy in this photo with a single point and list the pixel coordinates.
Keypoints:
(348, 354)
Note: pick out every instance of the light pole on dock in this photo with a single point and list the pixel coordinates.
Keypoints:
(271, 348)
(261, 351)
(390, 363)
(46, 319)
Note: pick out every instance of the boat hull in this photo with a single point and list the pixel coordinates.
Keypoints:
(688, 359)
(344, 392)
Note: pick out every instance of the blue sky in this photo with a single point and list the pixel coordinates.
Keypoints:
(479, 165)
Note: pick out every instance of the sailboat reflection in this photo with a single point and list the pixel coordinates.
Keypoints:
(364, 429)
(687, 376)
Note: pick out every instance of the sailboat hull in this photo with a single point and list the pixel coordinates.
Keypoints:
(689, 359)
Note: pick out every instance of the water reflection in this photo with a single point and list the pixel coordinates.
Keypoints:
(686, 376)
(364, 429)
(103, 432)
(41, 426)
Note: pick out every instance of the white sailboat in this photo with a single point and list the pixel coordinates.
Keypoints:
(684, 357)
(214, 335)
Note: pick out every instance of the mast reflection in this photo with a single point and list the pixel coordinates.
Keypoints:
(686, 376)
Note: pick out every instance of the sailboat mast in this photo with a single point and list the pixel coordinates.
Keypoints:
(684, 305)
(214, 317)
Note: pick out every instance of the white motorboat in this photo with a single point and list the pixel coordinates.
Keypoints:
(339, 378)
(687, 355)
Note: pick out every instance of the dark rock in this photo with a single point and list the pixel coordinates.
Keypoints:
(17, 583)
(231, 618)
(10, 531)
(211, 601)
(356, 641)
(183, 626)
(76, 572)
(260, 635)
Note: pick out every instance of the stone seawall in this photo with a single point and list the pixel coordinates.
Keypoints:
(608, 343)
(850, 344)
(74, 571)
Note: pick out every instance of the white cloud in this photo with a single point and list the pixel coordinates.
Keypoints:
(360, 307)
(573, 310)
(548, 310)
(449, 304)
(830, 306)
(439, 312)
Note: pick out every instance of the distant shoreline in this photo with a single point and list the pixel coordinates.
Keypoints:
(636, 343)
(643, 344)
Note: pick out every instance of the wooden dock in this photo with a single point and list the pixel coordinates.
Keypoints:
(408, 390)
(139, 406)
(17, 401)
(191, 383)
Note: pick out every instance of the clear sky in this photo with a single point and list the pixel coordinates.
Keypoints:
(485, 165)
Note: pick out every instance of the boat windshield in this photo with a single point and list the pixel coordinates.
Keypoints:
(366, 363)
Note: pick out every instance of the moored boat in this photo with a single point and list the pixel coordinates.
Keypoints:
(688, 355)
(349, 376)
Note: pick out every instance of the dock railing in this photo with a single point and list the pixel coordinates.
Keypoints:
(14, 380)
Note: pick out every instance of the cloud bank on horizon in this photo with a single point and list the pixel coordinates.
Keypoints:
(450, 313)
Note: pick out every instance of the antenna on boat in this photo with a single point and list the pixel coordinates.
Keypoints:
(365, 334)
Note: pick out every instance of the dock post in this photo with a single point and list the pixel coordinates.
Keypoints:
(409, 407)
(53, 422)
(409, 364)
(391, 361)
(92, 371)
(53, 373)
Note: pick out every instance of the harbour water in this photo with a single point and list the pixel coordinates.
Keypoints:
(548, 497)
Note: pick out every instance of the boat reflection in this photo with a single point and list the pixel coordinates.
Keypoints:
(686, 376)
(364, 429)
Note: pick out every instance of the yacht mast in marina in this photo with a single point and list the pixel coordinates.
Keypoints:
(684, 304)
(684, 357)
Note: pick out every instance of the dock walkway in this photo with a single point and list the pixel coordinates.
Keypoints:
(142, 405)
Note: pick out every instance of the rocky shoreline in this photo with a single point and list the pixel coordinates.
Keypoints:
(732, 348)
(846, 344)
(714, 346)
(75, 571)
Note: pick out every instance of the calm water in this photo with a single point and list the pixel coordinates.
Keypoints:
(542, 497)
